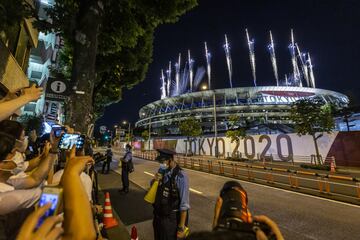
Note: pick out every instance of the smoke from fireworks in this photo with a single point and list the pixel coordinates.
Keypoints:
(228, 59)
(311, 73)
(163, 88)
(191, 73)
(271, 48)
(200, 73)
(177, 76)
(208, 64)
(251, 55)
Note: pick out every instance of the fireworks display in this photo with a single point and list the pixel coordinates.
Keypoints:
(208, 65)
(177, 72)
(185, 81)
(228, 59)
(191, 71)
(251, 55)
(271, 48)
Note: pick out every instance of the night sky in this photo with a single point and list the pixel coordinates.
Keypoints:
(328, 29)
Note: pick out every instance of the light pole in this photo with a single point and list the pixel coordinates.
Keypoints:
(215, 125)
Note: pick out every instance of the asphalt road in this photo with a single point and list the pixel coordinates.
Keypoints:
(299, 216)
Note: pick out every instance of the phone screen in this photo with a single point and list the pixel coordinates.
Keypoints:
(44, 199)
(67, 141)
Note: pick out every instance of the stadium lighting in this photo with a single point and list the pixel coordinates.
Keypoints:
(204, 87)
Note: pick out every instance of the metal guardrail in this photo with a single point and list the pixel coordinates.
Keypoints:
(319, 183)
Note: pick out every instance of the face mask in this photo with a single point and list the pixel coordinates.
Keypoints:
(22, 145)
(163, 166)
(18, 159)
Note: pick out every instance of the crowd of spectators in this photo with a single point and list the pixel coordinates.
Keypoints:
(27, 165)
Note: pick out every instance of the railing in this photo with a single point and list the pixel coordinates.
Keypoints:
(328, 185)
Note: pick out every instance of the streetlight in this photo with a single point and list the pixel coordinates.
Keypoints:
(204, 87)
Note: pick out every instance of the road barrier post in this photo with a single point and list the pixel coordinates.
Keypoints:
(327, 185)
(210, 165)
(192, 163)
(234, 169)
(358, 189)
(250, 177)
(270, 177)
(320, 184)
(200, 164)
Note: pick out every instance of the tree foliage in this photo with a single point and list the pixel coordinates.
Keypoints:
(191, 128)
(236, 130)
(12, 12)
(312, 117)
(145, 135)
(124, 39)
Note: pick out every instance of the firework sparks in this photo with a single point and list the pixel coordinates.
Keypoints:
(251, 55)
(169, 79)
(163, 88)
(177, 76)
(311, 73)
(208, 64)
(271, 48)
(228, 59)
(296, 71)
(303, 65)
(191, 71)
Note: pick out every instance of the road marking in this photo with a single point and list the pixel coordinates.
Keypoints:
(150, 174)
(195, 191)
(279, 189)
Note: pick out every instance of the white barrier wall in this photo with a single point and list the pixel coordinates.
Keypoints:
(282, 146)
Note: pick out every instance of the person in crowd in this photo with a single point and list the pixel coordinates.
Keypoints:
(13, 102)
(33, 147)
(77, 222)
(106, 163)
(40, 166)
(172, 199)
(125, 168)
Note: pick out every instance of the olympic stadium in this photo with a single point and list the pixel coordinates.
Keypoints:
(261, 109)
(266, 107)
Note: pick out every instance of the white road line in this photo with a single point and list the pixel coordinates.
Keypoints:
(150, 174)
(195, 191)
(279, 189)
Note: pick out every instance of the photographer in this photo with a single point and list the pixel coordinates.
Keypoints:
(233, 220)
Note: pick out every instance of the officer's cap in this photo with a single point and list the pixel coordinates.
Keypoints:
(165, 154)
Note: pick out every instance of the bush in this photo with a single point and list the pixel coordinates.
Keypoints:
(316, 167)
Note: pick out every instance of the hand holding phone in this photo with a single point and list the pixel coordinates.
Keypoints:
(47, 231)
(52, 196)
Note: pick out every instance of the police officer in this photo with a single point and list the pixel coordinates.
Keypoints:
(172, 199)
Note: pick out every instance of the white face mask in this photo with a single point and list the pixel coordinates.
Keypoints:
(21, 146)
(18, 159)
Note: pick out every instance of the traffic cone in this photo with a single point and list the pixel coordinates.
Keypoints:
(332, 166)
(134, 235)
(151, 194)
(108, 219)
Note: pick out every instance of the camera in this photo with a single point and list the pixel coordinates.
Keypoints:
(234, 213)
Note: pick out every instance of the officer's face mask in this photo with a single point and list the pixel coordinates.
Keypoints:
(21, 146)
(18, 159)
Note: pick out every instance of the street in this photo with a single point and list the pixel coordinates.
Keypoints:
(298, 216)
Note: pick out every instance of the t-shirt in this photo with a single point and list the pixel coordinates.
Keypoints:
(85, 179)
(12, 200)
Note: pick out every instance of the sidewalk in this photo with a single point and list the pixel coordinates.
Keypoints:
(130, 208)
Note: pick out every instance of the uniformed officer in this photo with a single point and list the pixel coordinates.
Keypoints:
(172, 199)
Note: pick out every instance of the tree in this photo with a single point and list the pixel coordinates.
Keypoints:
(191, 128)
(13, 12)
(312, 117)
(111, 47)
(235, 131)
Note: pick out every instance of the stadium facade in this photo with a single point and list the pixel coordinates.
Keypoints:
(266, 107)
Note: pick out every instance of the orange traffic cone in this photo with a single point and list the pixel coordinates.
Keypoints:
(134, 235)
(108, 219)
(332, 166)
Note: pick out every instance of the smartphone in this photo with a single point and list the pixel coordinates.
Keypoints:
(58, 130)
(68, 140)
(54, 196)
